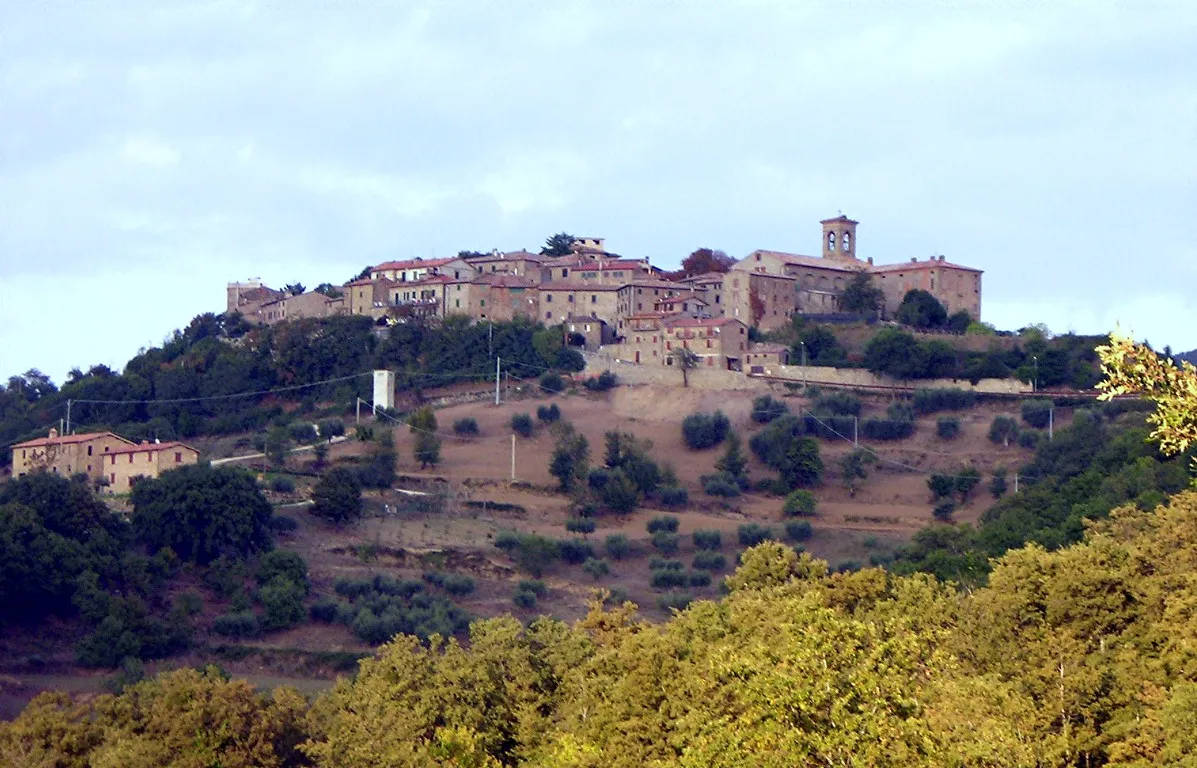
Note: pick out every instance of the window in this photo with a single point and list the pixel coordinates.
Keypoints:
(548, 315)
(548, 299)
(89, 450)
(130, 458)
(457, 303)
(89, 468)
(708, 343)
(112, 479)
(758, 257)
(593, 298)
(846, 242)
(639, 306)
(831, 241)
(482, 303)
(571, 298)
(564, 272)
(113, 457)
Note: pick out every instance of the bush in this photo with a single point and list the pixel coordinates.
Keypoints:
(363, 433)
(798, 530)
(1036, 413)
(663, 523)
(766, 408)
(617, 546)
(887, 429)
(799, 504)
(675, 602)
(332, 428)
(456, 584)
(838, 404)
(552, 383)
(548, 413)
(282, 603)
(601, 383)
(575, 551)
(326, 609)
(1029, 438)
(709, 561)
(303, 433)
(705, 430)
(721, 484)
(535, 586)
(672, 496)
(771, 486)
(338, 496)
(580, 525)
(240, 624)
(704, 539)
(619, 493)
(284, 563)
(943, 511)
(664, 564)
(521, 424)
(698, 579)
(282, 484)
(281, 524)
(531, 552)
(935, 400)
(751, 534)
(466, 427)
(665, 542)
(947, 427)
(525, 600)
(1003, 430)
(997, 486)
(667, 579)
(596, 568)
(941, 486)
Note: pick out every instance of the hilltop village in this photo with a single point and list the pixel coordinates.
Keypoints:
(633, 311)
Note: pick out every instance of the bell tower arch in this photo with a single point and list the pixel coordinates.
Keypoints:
(839, 238)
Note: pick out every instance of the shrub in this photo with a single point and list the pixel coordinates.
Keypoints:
(598, 478)
(302, 433)
(663, 523)
(950, 399)
(798, 530)
(466, 427)
(997, 486)
(887, 429)
(284, 563)
(766, 408)
(771, 486)
(705, 430)
(1029, 438)
(665, 542)
(525, 600)
(548, 413)
(617, 546)
(667, 579)
(575, 551)
(1003, 430)
(751, 534)
(601, 383)
(1037, 412)
(521, 424)
(531, 552)
(332, 428)
(799, 504)
(326, 609)
(675, 602)
(457, 584)
(665, 564)
(721, 484)
(965, 481)
(363, 433)
(282, 484)
(338, 496)
(282, 603)
(580, 525)
(704, 539)
(709, 561)
(596, 568)
(941, 486)
(619, 493)
(535, 586)
(239, 624)
(552, 383)
(281, 524)
(698, 579)
(947, 427)
(943, 511)
(838, 404)
(672, 496)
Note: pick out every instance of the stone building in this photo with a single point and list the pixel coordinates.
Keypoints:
(300, 306)
(957, 287)
(562, 300)
(367, 297)
(248, 298)
(124, 466)
(719, 342)
(412, 270)
(66, 455)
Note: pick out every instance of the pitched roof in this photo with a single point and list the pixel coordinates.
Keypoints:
(504, 280)
(257, 294)
(520, 255)
(648, 282)
(411, 263)
(801, 260)
(931, 264)
(704, 277)
(560, 285)
(85, 437)
(841, 218)
(700, 322)
(140, 447)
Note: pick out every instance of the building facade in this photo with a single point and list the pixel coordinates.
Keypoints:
(124, 466)
(66, 455)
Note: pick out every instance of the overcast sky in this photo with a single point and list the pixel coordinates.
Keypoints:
(151, 152)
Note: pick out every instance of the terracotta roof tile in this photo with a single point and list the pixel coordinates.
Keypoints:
(141, 447)
(913, 265)
(85, 437)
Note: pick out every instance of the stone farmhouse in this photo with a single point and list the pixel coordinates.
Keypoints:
(104, 457)
(627, 302)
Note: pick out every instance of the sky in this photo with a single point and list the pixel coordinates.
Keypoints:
(151, 152)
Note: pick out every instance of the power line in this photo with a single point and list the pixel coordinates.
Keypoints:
(222, 397)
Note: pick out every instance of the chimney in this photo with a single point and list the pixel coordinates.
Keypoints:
(53, 433)
(870, 260)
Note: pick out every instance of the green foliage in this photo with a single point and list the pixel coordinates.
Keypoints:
(941, 486)
(665, 542)
(363, 433)
(456, 584)
(531, 552)
(619, 493)
(667, 523)
(722, 484)
(673, 497)
(466, 427)
(838, 404)
(947, 427)
(337, 497)
(854, 469)
(1029, 438)
(766, 408)
(862, 296)
(569, 460)
(997, 486)
(548, 413)
(898, 423)
(283, 563)
(1003, 429)
(781, 446)
(596, 568)
(1036, 412)
(800, 503)
(919, 309)
(282, 603)
(944, 510)
(617, 546)
(201, 512)
(521, 424)
(282, 484)
(816, 344)
(935, 400)
(303, 433)
(580, 525)
(798, 530)
(705, 430)
(709, 561)
(751, 534)
(238, 624)
(524, 599)
(601, 383)
(707, 540)
(575, 551)
(551, 383)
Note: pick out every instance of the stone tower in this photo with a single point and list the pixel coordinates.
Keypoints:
(839, 238)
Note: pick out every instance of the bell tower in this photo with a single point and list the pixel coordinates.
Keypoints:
(839, 238)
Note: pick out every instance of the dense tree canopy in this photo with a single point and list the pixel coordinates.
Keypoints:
(920, 309)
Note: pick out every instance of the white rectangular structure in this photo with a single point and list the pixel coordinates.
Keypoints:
(384, 389)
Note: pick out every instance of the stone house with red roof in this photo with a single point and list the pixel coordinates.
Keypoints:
(66, 455)
(124, 466)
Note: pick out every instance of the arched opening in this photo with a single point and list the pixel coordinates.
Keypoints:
(846, 242)
(831, 241)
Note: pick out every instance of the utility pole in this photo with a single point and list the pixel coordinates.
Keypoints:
(855, 431)
(1035, 380)
(490, 332)
(1016, 482)
(68, 418)
(513, 457)
(497, 381)
(1051, 420)
(803, 343)
(357, 411)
